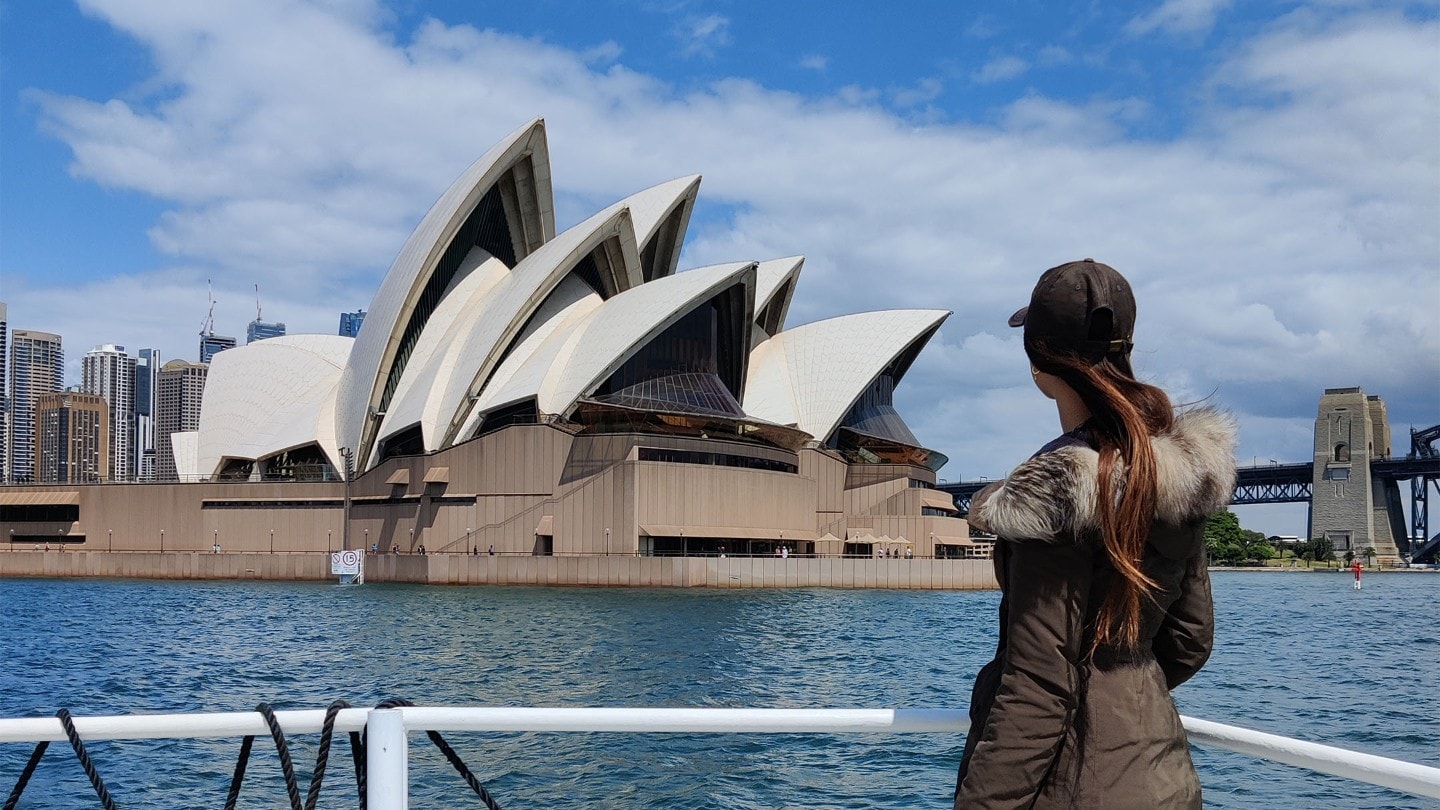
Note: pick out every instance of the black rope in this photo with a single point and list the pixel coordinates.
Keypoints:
(84, 757)
(322, 757)
(287, 767)
(237, 779)
(454, 758)
(470, 778)
(25, 774)
(239, 775)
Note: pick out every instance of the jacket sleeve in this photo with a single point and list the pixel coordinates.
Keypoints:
(1187, 633)
(1038, 694)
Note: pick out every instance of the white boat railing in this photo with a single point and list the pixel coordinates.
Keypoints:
(387, 748)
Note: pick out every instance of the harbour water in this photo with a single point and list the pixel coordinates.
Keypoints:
(1297, 654)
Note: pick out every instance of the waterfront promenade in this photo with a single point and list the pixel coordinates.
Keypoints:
(462, 569)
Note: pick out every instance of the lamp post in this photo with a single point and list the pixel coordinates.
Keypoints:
(607, 541)
(162, 541)
(109, 539)
(217, 541)
(329, 535)
(367, 538)
(347, 456)
(272, 541)
(468, 540)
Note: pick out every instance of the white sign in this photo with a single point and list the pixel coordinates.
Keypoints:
(345, 562)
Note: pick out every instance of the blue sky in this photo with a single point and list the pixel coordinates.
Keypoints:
(1267, 173)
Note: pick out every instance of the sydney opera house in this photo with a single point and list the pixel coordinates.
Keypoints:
(547, 394)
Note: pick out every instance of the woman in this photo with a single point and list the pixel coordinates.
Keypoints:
(1101, 560)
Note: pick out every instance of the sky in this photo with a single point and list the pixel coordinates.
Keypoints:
(1267, 174)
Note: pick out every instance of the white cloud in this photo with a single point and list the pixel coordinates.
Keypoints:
(815, 62)
(923, 92)
(295, 147)
(605, 52)
(1179, 18)
(1000, 69)
(1051, 55)
(702, 36)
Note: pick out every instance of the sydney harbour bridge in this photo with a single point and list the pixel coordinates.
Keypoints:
(1319, 482)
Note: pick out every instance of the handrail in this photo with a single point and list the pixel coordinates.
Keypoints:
(1407, 777)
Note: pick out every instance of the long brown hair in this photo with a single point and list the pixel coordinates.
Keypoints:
(1124, 414)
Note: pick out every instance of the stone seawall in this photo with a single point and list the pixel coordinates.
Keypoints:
(654, 572)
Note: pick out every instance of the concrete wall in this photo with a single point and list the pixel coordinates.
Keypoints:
(169, 565)
(455, 569)
(514, 490)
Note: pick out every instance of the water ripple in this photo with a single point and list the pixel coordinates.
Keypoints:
(1299, 655)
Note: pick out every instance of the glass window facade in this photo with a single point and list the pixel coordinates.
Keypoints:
(874, 414)
(688, 368)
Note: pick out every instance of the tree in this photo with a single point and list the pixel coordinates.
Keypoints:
(1349, 556)
(1369, 554)
(1322, 549)
(1226, 542)
(1224, 538)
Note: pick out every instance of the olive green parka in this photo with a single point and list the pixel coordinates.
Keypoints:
(1051, 724)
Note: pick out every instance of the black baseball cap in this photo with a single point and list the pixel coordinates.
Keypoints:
(1085, 306)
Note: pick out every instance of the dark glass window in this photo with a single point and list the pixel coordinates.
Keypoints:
(306, 463)
(688, 368)
(408, 442)
(714, 459)
(40, 513)
(524, 412)
(589, 273)
(874, 414)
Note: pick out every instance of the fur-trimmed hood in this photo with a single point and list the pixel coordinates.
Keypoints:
(1051, 497)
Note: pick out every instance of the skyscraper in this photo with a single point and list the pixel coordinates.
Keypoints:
(179, 391)
(147, 371)
(350, 322)
(259, 330)
(108, 371)
(4, 396)
(212, 344)
(37, 366)
(72, 438)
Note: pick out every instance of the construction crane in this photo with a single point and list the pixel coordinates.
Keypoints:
(207, 328)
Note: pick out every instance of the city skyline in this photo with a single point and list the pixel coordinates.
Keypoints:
(128, 384)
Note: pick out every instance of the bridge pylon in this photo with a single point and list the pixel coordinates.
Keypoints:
(1350, 506)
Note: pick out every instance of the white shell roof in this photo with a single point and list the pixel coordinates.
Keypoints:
(572, 362)
(650, 207)
(364, 378)
(271, 395)
(432, 362)
(528, 286)
(523, 372)
(811, 375)
(771, 275)
(183, 446)
(483, 337)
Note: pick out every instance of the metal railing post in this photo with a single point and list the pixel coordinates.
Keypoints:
(387, 759)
